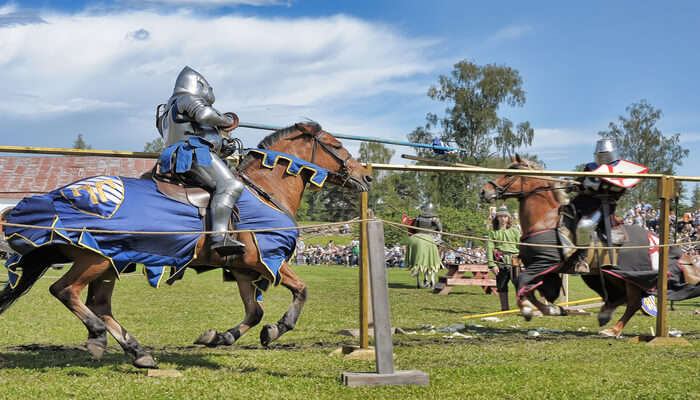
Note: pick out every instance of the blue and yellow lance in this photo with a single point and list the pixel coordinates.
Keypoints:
(360, 138)
(117, 153)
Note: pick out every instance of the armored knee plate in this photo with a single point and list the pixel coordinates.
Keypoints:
(586, 229)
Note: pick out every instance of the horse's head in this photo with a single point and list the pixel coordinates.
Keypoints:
(519, 186)
(308, 142)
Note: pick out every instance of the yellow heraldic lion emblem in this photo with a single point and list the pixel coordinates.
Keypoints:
(100, 196)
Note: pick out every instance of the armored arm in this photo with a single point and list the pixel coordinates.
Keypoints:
(204, 114)
(438, 224)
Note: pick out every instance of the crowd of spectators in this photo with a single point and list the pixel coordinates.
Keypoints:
(685, 228)
(465, 255)
(395, 256)
(330, 254)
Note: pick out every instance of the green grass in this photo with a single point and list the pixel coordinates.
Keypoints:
(41, 353)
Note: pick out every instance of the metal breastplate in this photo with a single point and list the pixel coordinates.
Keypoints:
(176, 130)
(425, 222)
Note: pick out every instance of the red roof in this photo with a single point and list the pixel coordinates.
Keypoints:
(22, 176)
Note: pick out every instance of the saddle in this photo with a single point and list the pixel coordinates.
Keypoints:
(182, 193)
(595, 257)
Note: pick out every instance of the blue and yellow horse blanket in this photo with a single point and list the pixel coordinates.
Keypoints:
(87, 213)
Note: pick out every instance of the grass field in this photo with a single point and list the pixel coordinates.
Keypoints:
(41, 353)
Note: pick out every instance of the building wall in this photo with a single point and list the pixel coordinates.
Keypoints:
(24, 176)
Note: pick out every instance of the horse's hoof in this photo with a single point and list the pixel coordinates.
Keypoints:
(604, 317)
(557, 310)
(96, 347)
(527, 303)
(206, 338)
(527, 313)
(608, 333)
(268, 334)
(145, 361)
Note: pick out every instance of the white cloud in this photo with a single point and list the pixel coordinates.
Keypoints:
(510, 33)
(122, 64)
(548, 138)
(213, 3)
(690, 138)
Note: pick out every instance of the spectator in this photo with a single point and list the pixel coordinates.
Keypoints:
(501, 255)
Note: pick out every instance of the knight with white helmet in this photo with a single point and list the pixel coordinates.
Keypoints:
(593, 189)
(192, 131)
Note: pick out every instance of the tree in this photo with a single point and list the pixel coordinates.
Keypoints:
(695, 201)
(80, 143)
(155, 146)
(474, 95)
(639, 140)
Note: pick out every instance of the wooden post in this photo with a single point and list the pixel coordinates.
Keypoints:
(385, 375)
(364, 270)
(666, 193)
(380, 299)
(564, 296)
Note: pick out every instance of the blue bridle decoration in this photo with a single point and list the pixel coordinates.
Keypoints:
(296, 166)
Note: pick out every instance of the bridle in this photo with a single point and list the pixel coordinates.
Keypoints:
(344, 174)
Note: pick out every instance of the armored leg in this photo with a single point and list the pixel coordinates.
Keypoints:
(585, 234)
(586, 228)
(226, 189)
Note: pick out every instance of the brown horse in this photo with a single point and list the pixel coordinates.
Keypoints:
(280, 189)
(540, 203)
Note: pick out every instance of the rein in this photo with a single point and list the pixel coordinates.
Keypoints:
(264, 194)
(502, 191)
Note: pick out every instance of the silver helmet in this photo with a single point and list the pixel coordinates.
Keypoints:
(605, 151)
(192, 82)
(428, 210)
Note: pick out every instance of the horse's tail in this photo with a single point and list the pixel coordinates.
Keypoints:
(33, 265)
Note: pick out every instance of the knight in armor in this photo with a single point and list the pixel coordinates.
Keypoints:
(422, 254)
(428, 220)
(194, 134)
(594, 191)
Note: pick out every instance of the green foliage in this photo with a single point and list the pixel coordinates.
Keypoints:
(155, 146)
(639, 140)
(474, 94)
(377, 153)
(339, 240)
(80, 143)
(695, 200)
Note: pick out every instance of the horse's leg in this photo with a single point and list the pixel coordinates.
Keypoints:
(86, 267)
(528, 303)
(253, 316)
(526, 306)
(291, 281)
(95, 345)
(634, 303)
(617, 289)
(99, 301)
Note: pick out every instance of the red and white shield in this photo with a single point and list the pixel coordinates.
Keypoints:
(622, 167)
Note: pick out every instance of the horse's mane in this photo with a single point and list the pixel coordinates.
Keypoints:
(278, 135)
(560, 194)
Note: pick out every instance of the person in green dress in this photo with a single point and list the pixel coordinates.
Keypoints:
(422, 253)
(500, 255)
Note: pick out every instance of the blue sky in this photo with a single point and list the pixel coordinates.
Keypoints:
(360, 67)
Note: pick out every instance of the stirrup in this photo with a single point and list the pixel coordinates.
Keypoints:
(582, 266)
(226, 245)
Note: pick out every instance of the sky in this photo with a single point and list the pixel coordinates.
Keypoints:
(99, 68)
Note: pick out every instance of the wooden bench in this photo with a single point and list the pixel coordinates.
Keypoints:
(457, 276)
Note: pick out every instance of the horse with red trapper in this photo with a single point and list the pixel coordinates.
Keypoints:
(622, 276)
(276, 174)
